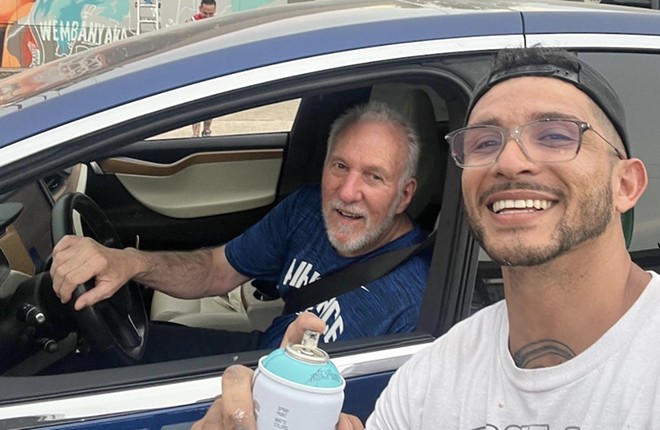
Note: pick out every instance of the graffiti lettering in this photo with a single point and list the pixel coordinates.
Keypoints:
(89, 33)
(37, 31)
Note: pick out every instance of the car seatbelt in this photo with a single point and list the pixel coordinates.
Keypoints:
(351, 277)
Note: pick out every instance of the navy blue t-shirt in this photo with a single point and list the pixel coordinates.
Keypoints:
(290, 247)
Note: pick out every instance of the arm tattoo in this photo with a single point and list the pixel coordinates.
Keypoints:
(541, 353)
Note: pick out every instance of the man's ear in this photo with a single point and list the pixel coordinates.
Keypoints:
(630, 184)
(408, 192)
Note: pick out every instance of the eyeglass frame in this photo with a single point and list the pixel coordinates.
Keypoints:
(516, 134)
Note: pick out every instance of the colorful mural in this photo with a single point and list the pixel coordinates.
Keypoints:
(34, 32)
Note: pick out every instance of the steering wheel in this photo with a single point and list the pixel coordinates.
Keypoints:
(118, 324)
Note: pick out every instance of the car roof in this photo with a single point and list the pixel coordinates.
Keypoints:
(72, 87)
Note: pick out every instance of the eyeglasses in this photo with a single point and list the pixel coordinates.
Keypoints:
(547, 140)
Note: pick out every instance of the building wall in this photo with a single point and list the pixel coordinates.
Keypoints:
(37, 31)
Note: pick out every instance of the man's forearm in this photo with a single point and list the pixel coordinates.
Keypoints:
(185, 275)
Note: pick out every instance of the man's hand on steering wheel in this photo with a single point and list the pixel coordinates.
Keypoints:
(79, 259)
(80, 265)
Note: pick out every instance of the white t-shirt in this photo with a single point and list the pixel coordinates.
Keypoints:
(467, 380)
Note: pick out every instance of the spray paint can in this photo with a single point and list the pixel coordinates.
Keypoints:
(298, 387)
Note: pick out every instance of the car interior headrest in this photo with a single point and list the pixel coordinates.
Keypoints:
(417, 108)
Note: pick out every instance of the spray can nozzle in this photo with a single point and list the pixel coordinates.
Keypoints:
(309, 342)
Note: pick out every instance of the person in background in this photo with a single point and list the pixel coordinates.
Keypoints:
(206, 10)
(547, 183)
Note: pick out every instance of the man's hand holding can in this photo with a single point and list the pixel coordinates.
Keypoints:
(234, 410)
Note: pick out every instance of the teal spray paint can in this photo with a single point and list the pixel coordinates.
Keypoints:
(298, 388)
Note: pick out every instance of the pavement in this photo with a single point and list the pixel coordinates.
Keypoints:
(271, 118)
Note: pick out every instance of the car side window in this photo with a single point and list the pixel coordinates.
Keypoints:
(640, 99)
(272, 118)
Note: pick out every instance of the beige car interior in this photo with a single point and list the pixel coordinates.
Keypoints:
(242, 309)
(187, 189)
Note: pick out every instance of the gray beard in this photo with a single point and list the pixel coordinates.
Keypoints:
(368, 238)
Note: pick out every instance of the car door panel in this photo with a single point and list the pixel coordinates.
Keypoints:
(202, 184)
(188, 193)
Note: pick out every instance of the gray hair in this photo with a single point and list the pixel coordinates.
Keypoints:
(379, 112)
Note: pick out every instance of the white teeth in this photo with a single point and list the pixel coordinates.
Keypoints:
(521, 204)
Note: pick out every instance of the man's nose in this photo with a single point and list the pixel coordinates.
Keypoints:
(350, 189)
(513, 158)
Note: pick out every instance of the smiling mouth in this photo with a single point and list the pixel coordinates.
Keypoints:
(349, 215)
(504, 206)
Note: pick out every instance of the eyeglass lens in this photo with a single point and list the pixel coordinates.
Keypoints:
(544, 141)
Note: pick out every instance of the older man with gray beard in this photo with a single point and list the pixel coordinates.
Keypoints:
(358, 211)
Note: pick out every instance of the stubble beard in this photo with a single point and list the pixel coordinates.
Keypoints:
(593, 217)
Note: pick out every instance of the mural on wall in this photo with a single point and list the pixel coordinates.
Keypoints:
(34, 32)
(44, 30)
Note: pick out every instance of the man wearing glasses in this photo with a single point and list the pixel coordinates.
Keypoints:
(547, 182)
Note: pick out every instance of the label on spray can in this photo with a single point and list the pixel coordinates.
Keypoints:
(297, 388)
